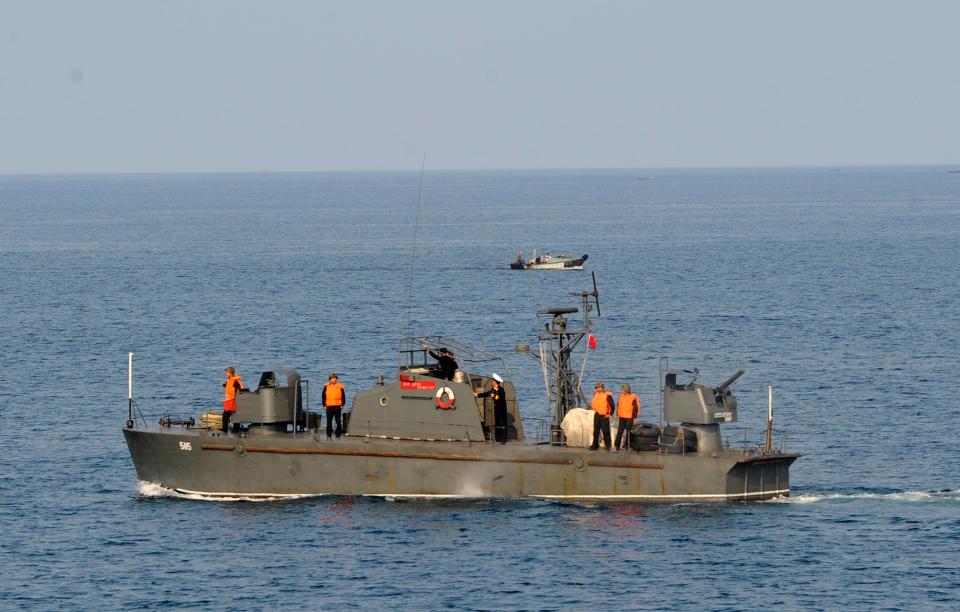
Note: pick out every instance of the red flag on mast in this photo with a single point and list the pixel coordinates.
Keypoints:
(592, 342)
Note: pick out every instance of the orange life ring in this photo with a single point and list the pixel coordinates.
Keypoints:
(445, 404)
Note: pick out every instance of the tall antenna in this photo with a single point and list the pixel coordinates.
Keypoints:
(413, 251)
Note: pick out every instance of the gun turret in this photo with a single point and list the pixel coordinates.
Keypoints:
(694, 403)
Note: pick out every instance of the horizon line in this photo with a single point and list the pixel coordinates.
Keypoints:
(444, 170)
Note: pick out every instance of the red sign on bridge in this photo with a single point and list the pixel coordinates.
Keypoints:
(418, 385)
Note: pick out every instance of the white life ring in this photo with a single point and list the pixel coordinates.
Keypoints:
(445, 404)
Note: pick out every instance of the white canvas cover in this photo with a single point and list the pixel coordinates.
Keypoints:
(578, 427)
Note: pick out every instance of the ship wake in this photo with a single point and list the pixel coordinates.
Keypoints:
(945, 496)
(152, 489)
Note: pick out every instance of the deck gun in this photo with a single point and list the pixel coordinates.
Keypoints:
(695, 403)
(699, 408)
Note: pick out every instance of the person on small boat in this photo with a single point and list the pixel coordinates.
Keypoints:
(628, 408)
(334, 397)
(499, 396)
(446, 362)
(602, 405)
(231, 385)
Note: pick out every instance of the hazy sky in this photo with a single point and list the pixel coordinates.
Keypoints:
(126, 86)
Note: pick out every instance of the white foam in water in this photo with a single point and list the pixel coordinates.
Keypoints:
(903, 496)
(152, 489)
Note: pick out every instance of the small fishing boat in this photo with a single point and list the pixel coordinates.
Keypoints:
(548, 262)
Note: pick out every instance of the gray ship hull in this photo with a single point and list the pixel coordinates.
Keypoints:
(199, 461)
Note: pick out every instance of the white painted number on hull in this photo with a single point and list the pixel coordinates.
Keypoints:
(186, 446)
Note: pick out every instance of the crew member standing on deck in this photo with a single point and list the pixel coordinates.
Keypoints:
(499, 395)
(333, 399)
(230, 387)
(628, 408)
(602, 405)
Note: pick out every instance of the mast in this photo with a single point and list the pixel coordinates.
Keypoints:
(557, 343)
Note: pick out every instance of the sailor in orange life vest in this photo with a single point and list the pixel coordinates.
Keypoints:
(334, 398)
(499, 396)
(602, 405)
(230, 387)
(628, 408)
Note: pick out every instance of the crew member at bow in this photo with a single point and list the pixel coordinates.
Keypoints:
(231, 385)
(333, 399)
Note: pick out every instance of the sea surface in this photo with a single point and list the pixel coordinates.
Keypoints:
(838, 287)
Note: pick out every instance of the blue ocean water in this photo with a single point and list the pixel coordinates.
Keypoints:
(838, 287)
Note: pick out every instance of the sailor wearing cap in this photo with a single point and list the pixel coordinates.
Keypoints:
(333, 398)
(499, 395)
(446, 362)
(628, 408)
(602, 406)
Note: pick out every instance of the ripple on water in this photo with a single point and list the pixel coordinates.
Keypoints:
(836, 287)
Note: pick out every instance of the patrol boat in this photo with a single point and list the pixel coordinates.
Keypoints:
(421, 435)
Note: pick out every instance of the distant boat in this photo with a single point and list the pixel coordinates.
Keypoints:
(646, 178)
(548, 262)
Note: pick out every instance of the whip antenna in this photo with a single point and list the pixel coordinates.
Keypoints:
(413, 251)
(596, 294)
